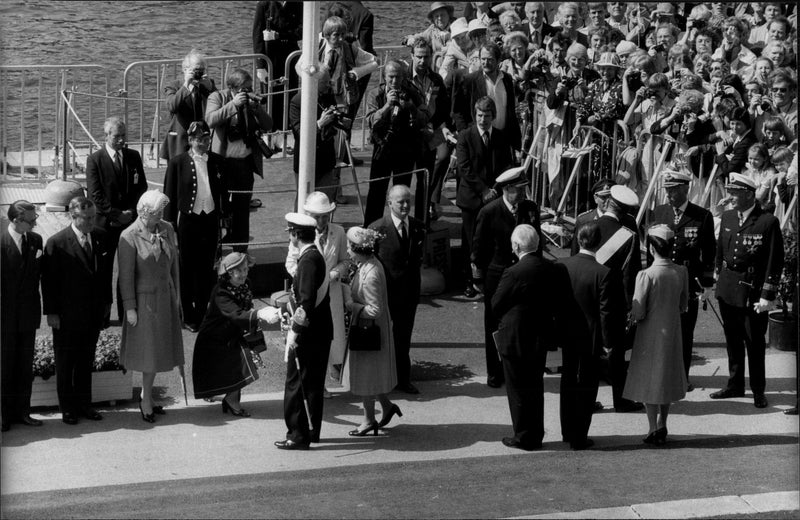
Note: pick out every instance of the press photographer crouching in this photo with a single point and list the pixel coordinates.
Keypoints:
(238, 118)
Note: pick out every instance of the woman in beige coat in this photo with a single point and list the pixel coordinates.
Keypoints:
(148, 280)
(373, 373)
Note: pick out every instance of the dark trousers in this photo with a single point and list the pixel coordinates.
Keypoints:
(745, 330)
(580, 377)
(74, 352)
(197, 239)
(688, 321)
(525, 390)
(310, 379)
(403, 315)
(618, 368)
(239, 176)
(390, 164)
(494, 366)
(469, 219)
(16, 368)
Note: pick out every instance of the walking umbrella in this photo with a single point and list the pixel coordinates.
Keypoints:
(303, 393)
(183, 384)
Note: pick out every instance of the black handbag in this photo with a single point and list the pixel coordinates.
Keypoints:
(254, 341)
(364, 338)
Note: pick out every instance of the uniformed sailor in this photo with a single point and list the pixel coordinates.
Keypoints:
(694, 247)
(749, 263)
(601, 192)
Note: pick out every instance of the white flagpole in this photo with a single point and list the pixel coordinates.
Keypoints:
(308, 102)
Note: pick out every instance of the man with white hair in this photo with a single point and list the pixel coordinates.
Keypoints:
(527, 322)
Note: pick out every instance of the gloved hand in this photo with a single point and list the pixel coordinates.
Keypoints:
(291, 340)
(763, 305)
(132, 317)
(271, 315)
(706, 295)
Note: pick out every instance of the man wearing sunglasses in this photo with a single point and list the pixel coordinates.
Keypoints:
(784, 97)
(20, 312)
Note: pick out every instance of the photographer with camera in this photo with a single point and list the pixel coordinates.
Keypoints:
(732, 48)
(330, 118)
(186, 102)
(238, 117)
(396, 114)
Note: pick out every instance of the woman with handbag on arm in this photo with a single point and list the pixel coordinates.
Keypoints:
(222, 362)
(372, 369)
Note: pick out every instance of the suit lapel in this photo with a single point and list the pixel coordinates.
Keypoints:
(78, 250)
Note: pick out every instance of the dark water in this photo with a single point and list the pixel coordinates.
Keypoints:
(115, 34)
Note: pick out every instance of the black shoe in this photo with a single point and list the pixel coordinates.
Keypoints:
(256, 203)
(30, 421)
(494, 382)
(511, 442)
(726, 393)
(651, 438)
(91, 414)
(790, 411)
(470, 292)
(760, 401)
(191, 327)
(146, 417)
(290, 445)
(598, 407)
(372, 427)
(69, 418)
(660, 436)
(315, 439)
(689, 387)
(408, 388)
(241, 412)
(394, 410)
(629, 407)
(582, 445)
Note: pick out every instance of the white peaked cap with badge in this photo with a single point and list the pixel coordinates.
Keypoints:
(300, 221)
(624, 195)
(512, 177)
(737, 181)
(673, 178)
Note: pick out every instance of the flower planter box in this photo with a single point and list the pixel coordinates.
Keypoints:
(106, 386)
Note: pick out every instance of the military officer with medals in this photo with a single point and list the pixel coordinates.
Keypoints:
(491, 251)
(308, 341)
(694, 247)
(619, 251)
(748, 263)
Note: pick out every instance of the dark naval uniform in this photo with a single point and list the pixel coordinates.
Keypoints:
(491, 254)
(585, 217)
(694, 247)
(749, 263)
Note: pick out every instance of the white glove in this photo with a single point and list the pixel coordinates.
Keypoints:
(262, 75)
(706, 294)
(763, 305)
(291, 340)
(271, 315)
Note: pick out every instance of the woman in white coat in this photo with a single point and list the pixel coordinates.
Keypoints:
(332, 243)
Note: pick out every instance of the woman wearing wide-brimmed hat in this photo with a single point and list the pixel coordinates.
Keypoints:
(148, 282)
(332, 244)
(438, 33)
(373, 373)
(220, 364)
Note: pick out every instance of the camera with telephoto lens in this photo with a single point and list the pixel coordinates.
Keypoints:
(197, 74)
(539, 66)
(257, 98)
(650, 93)
(340, 119)
(765, 105)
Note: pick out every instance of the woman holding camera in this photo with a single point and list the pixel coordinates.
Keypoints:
(372, 373)
(221, 365)
(656, 376)
(148, 283)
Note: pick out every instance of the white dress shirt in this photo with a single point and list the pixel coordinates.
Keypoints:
(203, 200)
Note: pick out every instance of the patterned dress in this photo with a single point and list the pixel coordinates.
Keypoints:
(604, 102)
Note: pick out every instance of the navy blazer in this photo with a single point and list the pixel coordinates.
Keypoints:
(402, 266)
(20, 307)
(111, 191)
(491, 245)
(180, 185)
(73, 287)
(478, 168)
(308, 279)
(472, 88)
(626, 260)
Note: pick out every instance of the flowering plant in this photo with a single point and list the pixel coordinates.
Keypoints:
(106, 356)
(787, 287)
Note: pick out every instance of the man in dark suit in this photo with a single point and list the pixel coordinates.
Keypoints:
(735, 157)
(77, 295)
(401, 255)
(277, 27)
(529, 298)
(491, 252)
(186, 102)
(695, 247)
(483, 153)
(534, 27)
(308, 341)
(492, 82)
(115, 180)
(749, 264)
(601, 192)
(619, 251)
(396, 114)
(362, 26)
(598, 324)
(197, 198)
(237, 119)
(20, 311)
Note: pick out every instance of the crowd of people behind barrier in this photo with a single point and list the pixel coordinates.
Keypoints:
(535, 100)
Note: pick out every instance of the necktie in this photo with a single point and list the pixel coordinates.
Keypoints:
(87, 248)
(741, 218)
(514, 212)
(403, 233)
(332, 61)
(677, 218)
(198, 104)
(23, 245)
(117, 162)
(323, 239)
(486, 139)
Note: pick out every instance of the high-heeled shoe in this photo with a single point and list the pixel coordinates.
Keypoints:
(660, 436)
(651, 437)
(388, 416)
(241, 412)
(373, 427)
(146, 417)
